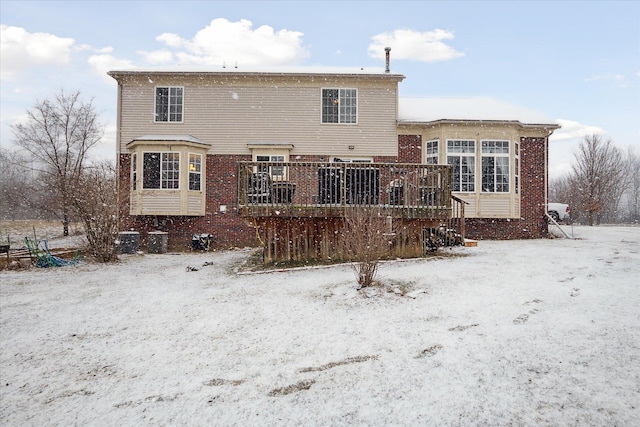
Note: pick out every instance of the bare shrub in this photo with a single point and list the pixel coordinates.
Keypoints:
(95, 203)
(366, 238)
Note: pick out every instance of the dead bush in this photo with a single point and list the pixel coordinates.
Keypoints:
(366, 238)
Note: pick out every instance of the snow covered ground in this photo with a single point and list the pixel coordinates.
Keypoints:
(539, 332)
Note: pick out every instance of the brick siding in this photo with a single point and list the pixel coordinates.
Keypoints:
(409, 149)
(230, 230)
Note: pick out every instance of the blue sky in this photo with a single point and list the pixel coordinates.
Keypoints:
(576, 63)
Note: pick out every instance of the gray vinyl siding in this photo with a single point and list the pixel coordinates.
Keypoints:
(230, 115)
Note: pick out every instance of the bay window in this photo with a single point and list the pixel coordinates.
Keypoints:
(161, 170)
(495, 166)
(168, 174)
(431, 152)
(461, 155)
(195, 172)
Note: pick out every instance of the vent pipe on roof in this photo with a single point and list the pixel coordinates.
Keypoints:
(387, 51)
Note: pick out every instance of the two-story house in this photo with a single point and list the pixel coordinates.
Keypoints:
(277, 156)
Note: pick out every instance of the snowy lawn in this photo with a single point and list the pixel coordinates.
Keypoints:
(538, 332)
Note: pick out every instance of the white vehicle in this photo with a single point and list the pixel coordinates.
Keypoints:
(559, 212)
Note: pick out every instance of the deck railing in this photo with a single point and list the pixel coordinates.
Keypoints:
(317, 189)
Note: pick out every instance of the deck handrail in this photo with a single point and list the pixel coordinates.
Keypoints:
(329, 188)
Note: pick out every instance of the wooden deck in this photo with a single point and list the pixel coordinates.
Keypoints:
(302, 189)
(299, 208)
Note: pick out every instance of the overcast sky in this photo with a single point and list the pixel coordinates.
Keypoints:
(576, 63)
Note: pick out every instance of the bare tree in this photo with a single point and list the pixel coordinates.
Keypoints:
(95, 203)
(560, 190)
(599, 178)
(633, 188)
(15, 185)
(58, 134)
(366, 240)
(23, 190)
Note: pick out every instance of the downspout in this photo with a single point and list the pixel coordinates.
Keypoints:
(546, 174)
(118, 139)
(546, 171)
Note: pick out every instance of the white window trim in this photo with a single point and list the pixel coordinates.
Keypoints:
(435, 155)
(506, 155)
(516, 168)
(283, 153)
(161, 152)
(155, 104)
(189, 172)
(357, 114)
(464, 154)
(134, 171)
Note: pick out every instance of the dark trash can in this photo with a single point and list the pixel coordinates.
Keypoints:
(201, 242)
(129, 242)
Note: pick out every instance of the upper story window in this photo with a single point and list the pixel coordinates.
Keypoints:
(495, 166)
(169, 102)
(431, 152)
(461, 155)
(195, 172)
(339, 106)
(161, 170)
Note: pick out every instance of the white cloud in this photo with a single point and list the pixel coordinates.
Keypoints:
(465, 108)
(103, 63)
(617, 79)
(563, 144)
(228, 42)
(20, 50)
(157, 57)
(427, 46)
(107, 49)
(171, 40)
(573, 130)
